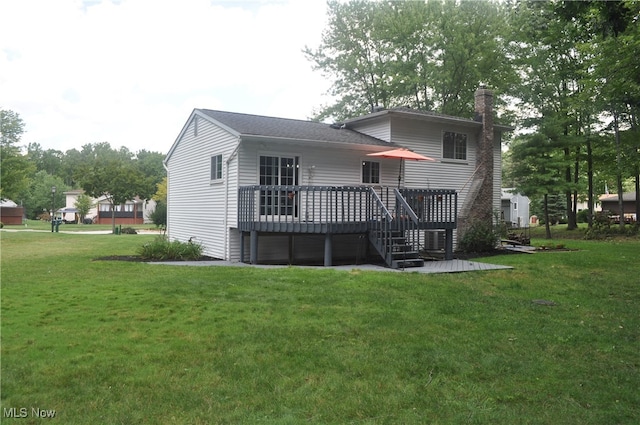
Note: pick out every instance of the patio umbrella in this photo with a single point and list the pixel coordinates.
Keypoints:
(401, 154)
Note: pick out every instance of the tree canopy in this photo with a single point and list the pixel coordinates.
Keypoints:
(426, 55)
(27, 177)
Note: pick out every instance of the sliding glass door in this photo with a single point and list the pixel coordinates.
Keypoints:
(278, 171)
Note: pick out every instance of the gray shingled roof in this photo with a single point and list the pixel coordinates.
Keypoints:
(407, 111)
(258, 125)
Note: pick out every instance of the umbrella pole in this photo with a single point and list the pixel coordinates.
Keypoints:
(400, 173)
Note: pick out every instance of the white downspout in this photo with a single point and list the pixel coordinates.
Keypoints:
(226, 198)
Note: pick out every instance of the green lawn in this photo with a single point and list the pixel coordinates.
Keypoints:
(132, 343)
(46, 225)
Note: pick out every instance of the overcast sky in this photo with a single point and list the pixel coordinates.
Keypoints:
(129, 72)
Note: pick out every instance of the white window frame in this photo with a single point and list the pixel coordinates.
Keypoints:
(216, 167)
(456, 150)
(371, 170)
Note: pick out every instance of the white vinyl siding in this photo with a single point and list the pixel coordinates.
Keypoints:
(379, 129)
(319, 164)
(196, 208)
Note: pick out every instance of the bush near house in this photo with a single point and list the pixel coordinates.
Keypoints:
(162, 249)
(480, 237)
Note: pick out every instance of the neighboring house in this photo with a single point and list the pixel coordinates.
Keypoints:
(135, 211)
(267, 189)
(610, 203)
(515, 208)
(10, 212)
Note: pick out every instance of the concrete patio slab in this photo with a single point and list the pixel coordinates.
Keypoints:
(452, 266)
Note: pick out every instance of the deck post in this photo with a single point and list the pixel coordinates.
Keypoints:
(290, 249)
(448, 244)
(253, 247)
(328, 248)
(242, 235)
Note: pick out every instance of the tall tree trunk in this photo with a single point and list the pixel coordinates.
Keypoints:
(571, 219)
(616, 129)
(576, 177)
(590, 182)
(637, 193)
(547, 225)
(113, 218)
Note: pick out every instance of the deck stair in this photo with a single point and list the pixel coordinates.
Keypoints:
(397, 252)
(401, 253)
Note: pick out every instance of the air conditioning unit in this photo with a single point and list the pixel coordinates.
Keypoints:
(434, 240)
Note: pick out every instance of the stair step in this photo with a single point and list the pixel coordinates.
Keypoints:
(402, 255)
(401, 248)
(400, 264)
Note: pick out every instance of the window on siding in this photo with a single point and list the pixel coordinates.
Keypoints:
(216, 167)
(370, 172)
(454, 145)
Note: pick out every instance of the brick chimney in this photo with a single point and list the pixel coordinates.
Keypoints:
(484, 155)
(478, 205)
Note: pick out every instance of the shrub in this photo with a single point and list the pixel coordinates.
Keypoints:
(128, 231)
(162, 249)
(479, 237)
(603, 228)
(159, 215)
(582, 216)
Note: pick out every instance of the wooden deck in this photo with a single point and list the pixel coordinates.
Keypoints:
(395, 220)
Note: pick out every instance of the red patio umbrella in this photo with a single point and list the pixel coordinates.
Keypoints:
(401, 154)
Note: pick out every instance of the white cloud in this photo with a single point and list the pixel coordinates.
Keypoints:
(129, 72)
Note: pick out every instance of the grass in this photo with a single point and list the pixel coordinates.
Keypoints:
(46, 226)
(122, 342)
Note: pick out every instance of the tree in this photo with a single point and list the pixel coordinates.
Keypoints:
(426, 55)
(38, 199)
(554, 70)
(115, 177)
(539, 173)
(83, 204)
(159, 214)
(611, 42)
(15, 169)
(49, 160)
(151, 165)
(161, 191)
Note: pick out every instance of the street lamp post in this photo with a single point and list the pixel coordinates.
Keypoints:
(53, 205)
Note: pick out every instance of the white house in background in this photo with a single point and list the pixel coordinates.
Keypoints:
(515, 208)
(135, 211)
(265, 189)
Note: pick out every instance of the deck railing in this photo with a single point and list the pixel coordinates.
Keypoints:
(340, 209)
(304, 209)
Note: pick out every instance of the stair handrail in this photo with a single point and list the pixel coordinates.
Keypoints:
(380, 222)
(404, 210)
(402, 202)
(381, 206)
